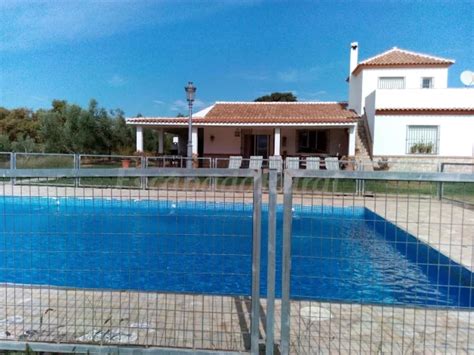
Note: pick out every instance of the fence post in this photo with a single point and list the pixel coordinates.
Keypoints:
(286, 263)
(361, 182)
(77, 162)
(13, 165)
(440, 184)
(256, 244)
(272, 221)
(357, 182)
(143, 179)
(214, 180)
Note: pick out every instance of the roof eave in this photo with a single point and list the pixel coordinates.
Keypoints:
(361, 66)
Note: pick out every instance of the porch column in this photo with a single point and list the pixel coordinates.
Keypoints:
(194, 138)
(160, 140)
(139, 139)
(352, 140)
(276, 143)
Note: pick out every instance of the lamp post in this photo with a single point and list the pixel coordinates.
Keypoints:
(190, 93)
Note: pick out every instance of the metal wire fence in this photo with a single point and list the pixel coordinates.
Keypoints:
(343, 261)
(107, 266)
(386, 273)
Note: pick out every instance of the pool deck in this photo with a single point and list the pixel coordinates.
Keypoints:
(43, 314)
(30, 313)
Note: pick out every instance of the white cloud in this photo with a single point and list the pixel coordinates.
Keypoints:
(35, 24)
(116, 80)
(158, 102)
(251, 76)
(39, 98)
(314, 96)
(297, 75)
(289, 76)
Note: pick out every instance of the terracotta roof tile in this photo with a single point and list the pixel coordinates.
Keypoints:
(396, 57)
(265, 113)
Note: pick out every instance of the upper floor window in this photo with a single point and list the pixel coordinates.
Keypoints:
(391, 83)
(426, 83)
(422, 139)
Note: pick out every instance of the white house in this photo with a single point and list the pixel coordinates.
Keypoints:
(404, 100)
(399, 107)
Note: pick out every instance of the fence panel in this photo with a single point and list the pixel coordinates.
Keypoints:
(105, 266)
(87, 161)
(391, 272)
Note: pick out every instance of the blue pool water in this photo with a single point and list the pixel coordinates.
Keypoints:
(343, 254)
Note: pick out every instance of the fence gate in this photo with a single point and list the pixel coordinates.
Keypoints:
(102, 267)
(390, 271)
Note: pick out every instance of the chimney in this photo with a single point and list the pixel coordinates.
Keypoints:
(354, 57)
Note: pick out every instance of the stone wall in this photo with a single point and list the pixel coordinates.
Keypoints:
(421, 164)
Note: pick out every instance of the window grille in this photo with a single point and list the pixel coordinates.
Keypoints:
(422, 139)
(391, 83)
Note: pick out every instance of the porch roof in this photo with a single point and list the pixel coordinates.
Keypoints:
(261, 114)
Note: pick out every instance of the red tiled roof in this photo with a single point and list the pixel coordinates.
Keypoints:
(396, 57)
(265, 113)
(426, 111)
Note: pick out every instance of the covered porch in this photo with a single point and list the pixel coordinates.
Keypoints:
(282, 129)
(225, 141)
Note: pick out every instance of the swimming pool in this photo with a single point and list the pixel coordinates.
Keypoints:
(339, 254)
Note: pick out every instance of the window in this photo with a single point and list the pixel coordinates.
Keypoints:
(312, 141)
(391, 83)
(422, 139)
(426, 83)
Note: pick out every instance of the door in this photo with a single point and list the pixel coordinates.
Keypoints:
(248, 145)
(201, 146)
(262, 145)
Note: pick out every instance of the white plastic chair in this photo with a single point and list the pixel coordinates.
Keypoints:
(292, 163)
(332, 163)
(276, 163)
(313, 163)
(256, 162)
(235, 162)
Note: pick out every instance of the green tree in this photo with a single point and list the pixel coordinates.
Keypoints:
(4, 113)
(5, 143)
(71, 129)
(277, 97)
(24, 145)
(19, 123)
(51, 131)
(122, 134)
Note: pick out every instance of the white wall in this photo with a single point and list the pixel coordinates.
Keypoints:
(368, 82)
(370, 111)
(456, 134)
(424, 98)
(290, 148)
(355, 93)
(225, 141)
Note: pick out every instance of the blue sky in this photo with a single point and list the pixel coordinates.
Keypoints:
(138, 55)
